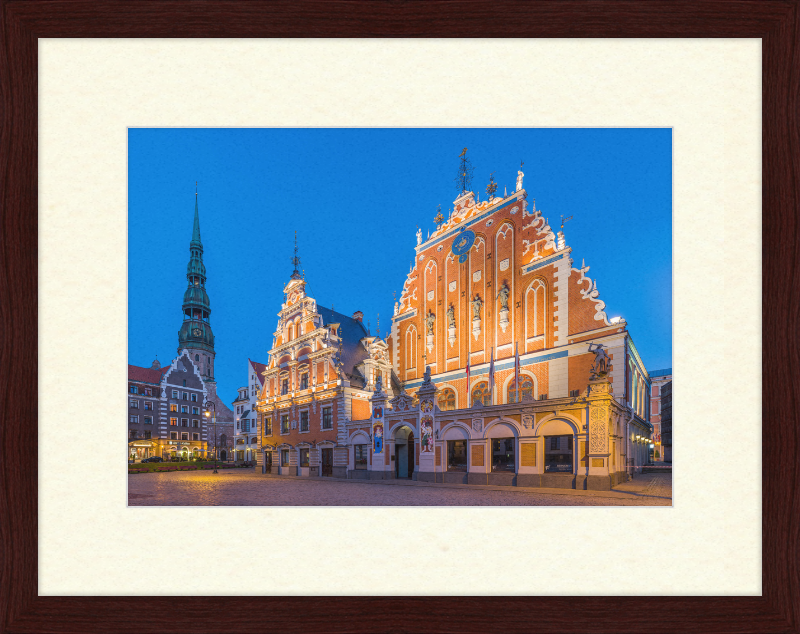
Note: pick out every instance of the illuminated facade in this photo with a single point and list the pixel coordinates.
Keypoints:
(659, 378)
(501, 367)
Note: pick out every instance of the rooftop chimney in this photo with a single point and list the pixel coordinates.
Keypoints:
(358, 316)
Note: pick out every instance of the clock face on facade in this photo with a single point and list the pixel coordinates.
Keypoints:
(462, 244)
(196, 332)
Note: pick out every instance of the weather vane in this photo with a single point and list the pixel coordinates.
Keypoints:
(563, 220)
(464, 178)
(296, 258)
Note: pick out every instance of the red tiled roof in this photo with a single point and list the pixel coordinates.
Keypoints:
(146, 375)
(259, 368)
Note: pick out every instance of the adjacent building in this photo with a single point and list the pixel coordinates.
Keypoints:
(666, 420)
(244, 409)
(502, 367)
(658, 378)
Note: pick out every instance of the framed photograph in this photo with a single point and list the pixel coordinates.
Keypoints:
(77, 559)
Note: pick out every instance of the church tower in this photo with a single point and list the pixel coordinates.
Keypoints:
(195, 335)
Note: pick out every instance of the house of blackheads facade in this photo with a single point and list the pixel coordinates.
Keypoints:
(501, 367)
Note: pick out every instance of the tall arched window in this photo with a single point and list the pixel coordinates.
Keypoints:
(447, 399)
(526, 388)
(411, 348)
(481, 393)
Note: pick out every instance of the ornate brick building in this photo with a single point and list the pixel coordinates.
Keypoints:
(502, 367)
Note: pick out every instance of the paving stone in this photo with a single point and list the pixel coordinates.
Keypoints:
(237, 488)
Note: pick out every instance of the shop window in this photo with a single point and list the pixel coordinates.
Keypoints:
(456, 455)
(135, 404)
(304, 457)
(284, 423)
(304, 421)
(503, 455)
(447, 399)
(360, 456)
(327, 418)
(526, 389)
(284, 457)
(304, 381)
(558, 454)
(481, 393)
(148, 420)
(268, 426)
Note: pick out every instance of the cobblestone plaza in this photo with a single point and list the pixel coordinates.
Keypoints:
(245, 488)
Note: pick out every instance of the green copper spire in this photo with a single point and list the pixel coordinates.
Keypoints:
(195, 332)
(196, 229)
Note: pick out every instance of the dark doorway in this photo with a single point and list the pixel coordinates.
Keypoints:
(223, 455)
(267, 462)
(411, 451)
(327, 462)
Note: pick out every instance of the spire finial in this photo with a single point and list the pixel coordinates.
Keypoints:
(195, 188)
(378, 327)
(296, 261)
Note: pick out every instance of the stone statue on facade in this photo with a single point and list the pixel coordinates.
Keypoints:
(429, 321)
(601, 365)
(451, 317)
(476, 307)
(426, 378)
(503, 296)
(419, 236)
(378, 383)
(519, 179)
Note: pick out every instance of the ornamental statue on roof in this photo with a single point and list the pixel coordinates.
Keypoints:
(520, 175)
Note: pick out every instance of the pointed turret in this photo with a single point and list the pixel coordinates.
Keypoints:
(195, 334)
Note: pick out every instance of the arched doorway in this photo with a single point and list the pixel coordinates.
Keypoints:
(223, 455)
(404, 452)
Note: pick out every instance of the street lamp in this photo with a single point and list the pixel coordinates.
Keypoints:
(214, 422)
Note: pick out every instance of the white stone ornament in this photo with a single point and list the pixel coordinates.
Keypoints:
(504, 265)
(452, 286)
(476, 276)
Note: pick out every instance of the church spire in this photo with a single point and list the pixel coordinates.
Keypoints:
(296, 261)
(195, 332)
(196, 229)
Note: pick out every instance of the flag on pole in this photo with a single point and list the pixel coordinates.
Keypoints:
(516, 372)
(491, 377)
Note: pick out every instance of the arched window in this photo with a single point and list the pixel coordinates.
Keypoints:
(447, 399)
(197, 357)
(481, 393)
(526, 387)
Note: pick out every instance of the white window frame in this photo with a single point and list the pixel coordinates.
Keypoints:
(300, 421)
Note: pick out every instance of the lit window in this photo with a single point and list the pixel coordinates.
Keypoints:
(527, 389)
(268, 427)
(284, 423)
(447, 399)
(481, 393)
(173, 421)
(173, 407)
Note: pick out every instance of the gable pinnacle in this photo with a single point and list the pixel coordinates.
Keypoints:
(296, 261)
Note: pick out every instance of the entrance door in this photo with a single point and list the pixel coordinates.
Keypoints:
(267, 462)
(327, 462)
(401, 460)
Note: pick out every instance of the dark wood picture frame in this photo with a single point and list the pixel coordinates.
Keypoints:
(776, 22)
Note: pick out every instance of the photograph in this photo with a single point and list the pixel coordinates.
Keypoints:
(400, 317)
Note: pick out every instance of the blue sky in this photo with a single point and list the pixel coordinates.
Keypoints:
(355, 198)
